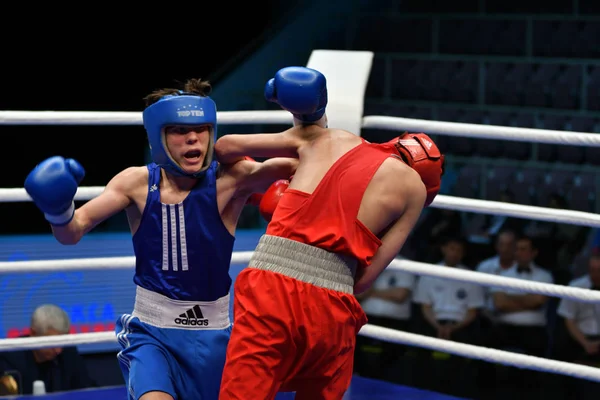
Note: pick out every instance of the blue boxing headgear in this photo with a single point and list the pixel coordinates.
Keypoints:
(185, 109)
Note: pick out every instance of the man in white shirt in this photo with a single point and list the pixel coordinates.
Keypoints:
(387, 303)
(582, 320)
(521, 322)
(505, 247)
(504, 259)
(449, 307)
(450, 310)
(521, 317)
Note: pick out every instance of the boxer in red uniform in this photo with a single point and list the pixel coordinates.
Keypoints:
(333, 229)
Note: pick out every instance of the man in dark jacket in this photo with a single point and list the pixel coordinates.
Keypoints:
(60, 368)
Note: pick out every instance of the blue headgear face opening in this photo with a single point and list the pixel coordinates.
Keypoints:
(186, 109)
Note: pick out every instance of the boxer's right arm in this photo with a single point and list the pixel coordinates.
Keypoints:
(396, 235)
(113, 199)
(53, 184)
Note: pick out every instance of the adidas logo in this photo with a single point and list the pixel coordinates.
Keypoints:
(192, 317)
(414, 142)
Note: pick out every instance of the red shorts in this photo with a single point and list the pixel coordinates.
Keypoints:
(289, 336)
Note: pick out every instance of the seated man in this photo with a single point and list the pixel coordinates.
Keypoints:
(345, 216)
(503, 259)
(450, 307)
(521, 317)
(387, 303)
(521, 323)
(450, 310)
(581, 342)
(582, 320)
(60, 368)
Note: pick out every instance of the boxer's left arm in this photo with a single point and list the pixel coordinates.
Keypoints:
(395, 237)
(233, 147)
(301, 91)
(256, 177)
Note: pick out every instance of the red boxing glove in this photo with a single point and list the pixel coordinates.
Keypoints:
(254, 199)
(271, 198)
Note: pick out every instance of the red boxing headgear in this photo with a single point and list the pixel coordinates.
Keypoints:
(421, 154)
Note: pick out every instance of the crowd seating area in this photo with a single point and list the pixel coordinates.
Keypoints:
(494, 63)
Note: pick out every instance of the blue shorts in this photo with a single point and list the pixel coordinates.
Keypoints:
(187, 364)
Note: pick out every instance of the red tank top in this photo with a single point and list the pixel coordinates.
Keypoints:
(327, 217)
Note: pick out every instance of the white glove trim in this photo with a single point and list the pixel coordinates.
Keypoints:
(62, 219)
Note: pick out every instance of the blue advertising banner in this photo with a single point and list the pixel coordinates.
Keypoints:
(93, 299)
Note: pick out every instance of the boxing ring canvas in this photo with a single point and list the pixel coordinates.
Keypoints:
(360, 389)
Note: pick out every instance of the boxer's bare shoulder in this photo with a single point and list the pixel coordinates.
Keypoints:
(392, 190)
(131, 182)
(395, 178)
(326, 144)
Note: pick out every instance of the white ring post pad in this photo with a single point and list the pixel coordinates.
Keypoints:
(347, 74)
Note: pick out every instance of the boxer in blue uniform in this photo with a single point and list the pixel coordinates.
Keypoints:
(182, 209)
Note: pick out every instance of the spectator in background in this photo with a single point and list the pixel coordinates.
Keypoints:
(450, 309)
(521, 316)
(483, 229)
(496, 223)
(578, 266)
(436, 225)
(387, 303)
(503, 260)
(545, 229)
(60, 368)
(580, 341)
(521, 320)
(582, 320)
(561, 241)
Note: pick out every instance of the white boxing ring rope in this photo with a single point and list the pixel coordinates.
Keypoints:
(372, 331)
(242, 257)
(131, 118)
(442, 201)
(477, 131)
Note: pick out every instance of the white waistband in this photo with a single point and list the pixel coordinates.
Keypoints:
(305, 263)
(160, 311)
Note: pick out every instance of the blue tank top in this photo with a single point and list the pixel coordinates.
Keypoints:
(183, 250)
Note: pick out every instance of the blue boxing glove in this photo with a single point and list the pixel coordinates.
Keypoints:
(299, 90)
(52, 185)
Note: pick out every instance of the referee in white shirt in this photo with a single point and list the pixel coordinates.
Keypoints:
(521, 323)
(582, 320)
(450, 310)
(504, 259)
(450, 307)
